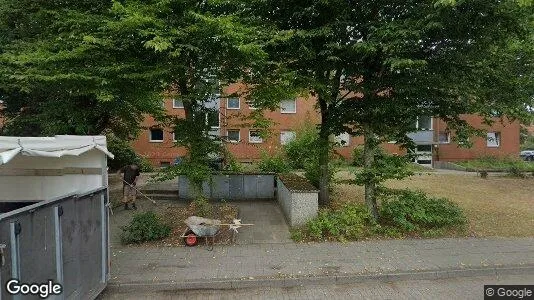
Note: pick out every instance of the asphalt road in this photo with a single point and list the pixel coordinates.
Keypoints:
(453, 288)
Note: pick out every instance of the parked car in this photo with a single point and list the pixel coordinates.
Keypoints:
(527, 155)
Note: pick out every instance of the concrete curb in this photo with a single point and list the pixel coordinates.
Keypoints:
(216, 284)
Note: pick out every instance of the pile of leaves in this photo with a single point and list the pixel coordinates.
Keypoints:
(174, 217)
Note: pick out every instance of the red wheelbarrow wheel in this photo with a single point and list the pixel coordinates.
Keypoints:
(190, 239)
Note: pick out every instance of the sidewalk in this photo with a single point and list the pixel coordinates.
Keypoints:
(290, 264)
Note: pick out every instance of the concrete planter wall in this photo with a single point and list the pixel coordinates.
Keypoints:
(448, 166)
(232, 187)
(299, 206)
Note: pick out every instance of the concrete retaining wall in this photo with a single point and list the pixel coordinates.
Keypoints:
(448, 166)
(298, 206)
(232, 187)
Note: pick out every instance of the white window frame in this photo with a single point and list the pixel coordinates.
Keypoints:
(174, 136)
(284, 142)
(238, 103)
(174, 106)
(448, 133)
(150, 135)
(431, 124)
(497, 141)
(238, 135)
(282, 111)
(249, 136)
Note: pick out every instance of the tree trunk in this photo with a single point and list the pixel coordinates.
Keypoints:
(369, 150)
(324, 172)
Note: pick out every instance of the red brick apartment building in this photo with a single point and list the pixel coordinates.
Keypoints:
(434, 142)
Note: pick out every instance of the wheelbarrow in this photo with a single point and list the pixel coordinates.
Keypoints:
(198, 227)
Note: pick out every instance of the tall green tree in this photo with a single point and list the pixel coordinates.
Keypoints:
(65, 68)
(199, 47)
(374, 66)
(88, 67)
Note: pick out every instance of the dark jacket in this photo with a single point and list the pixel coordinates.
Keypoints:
(130, 173)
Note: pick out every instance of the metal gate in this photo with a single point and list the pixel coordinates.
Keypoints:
(65, 240)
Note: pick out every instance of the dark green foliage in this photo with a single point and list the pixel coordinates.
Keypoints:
(303, 153)
(385, 166)
(351, 222)
(357, 156)
(515, 171)
(403, 213)
(125, 155)
(276, 163)
(413, 210)
(232, 164)
(65, 68)
(372, 70)
(492, 163)
(303, 148)
(146, 226)
(528, 143)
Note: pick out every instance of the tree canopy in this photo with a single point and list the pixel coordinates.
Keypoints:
(374, 66)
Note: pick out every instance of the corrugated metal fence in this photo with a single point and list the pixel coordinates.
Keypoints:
(65, 240)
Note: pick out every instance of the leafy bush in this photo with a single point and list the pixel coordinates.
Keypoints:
(413, 210)
(202, 208)
(232, 164)
(303, 148)
(528, 142)
(357, 156)
(491, 163)
(385, 166)
(516, 171)
(146, 226)
(303, 153)
(125, 155)
(276, 163)
(350, 222)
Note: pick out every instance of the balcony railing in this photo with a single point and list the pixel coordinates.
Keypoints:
(422, 137)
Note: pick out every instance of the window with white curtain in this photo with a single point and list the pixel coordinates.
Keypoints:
(493, 139)
(254, 136)
(288, 106)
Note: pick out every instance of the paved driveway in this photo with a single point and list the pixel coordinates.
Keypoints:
(270, 226)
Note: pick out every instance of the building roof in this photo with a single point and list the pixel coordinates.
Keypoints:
(57, 146)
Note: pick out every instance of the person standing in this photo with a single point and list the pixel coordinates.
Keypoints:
(129, 181)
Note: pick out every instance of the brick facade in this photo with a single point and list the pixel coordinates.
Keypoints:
(246, 150)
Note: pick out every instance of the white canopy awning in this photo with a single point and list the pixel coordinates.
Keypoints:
(57, 146)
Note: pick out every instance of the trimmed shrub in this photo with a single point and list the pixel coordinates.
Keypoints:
(413, 210)
(146, 226)
(350, 222)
